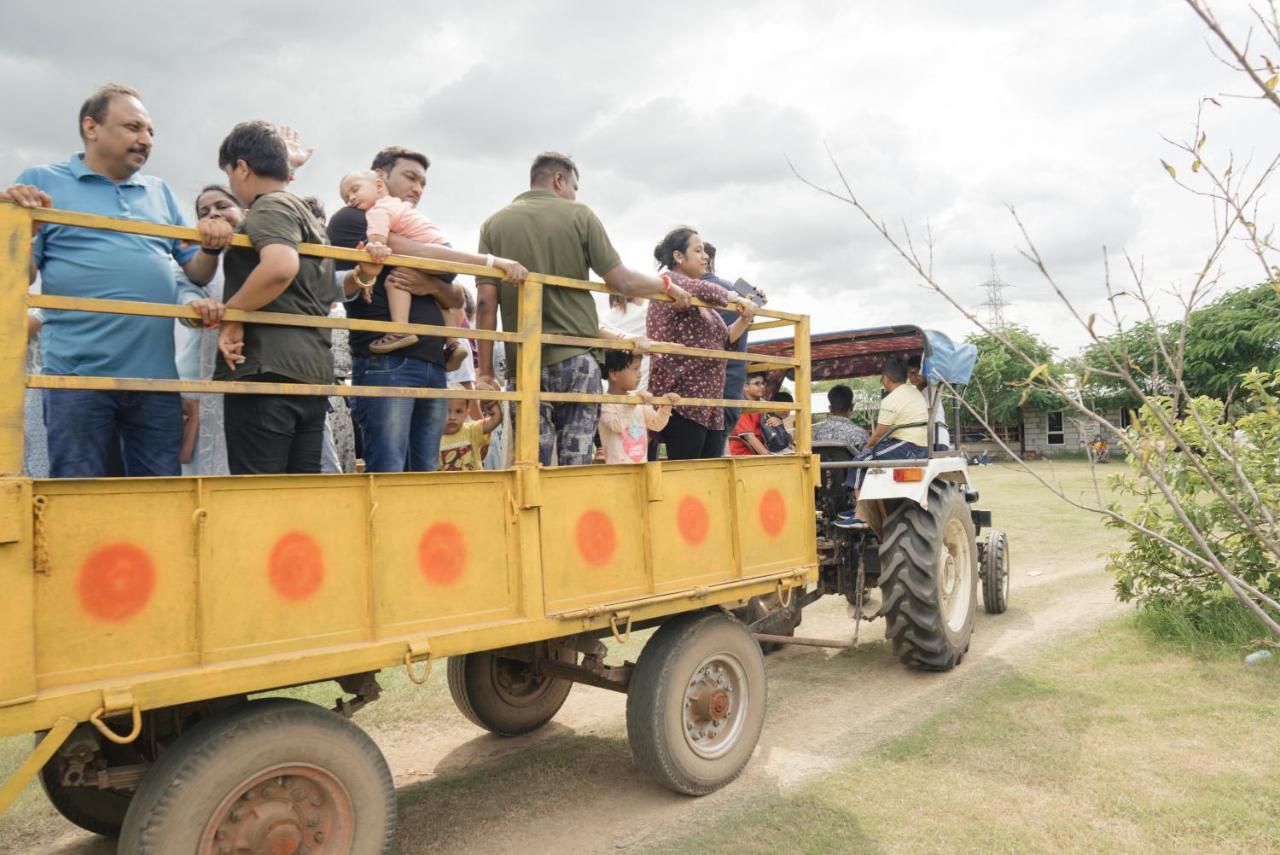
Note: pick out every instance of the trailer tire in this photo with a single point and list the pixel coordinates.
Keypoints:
(929, 577)
(99, 811)
(697, 666)
(307, 774)
(502, 695)
(994, 555)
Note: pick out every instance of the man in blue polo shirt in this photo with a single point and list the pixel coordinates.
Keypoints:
(88, 428)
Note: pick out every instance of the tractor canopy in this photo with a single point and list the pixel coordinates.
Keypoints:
(861, 353)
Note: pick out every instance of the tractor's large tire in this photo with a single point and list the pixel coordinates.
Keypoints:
(928, 572)
(93, 809)
(274, 775)
(506, 696)
(696, 702)
(994, 556)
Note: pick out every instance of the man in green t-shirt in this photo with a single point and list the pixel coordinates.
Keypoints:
(270, 434)
(549, 232)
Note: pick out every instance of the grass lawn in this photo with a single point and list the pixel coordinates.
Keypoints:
(1113, 743)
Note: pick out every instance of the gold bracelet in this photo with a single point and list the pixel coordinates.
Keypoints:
(355, 274)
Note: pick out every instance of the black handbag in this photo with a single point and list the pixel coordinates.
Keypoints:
(775, 437)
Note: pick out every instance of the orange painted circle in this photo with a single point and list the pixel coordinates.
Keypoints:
(442, 554)
(296, 566)
(773, 512)
(596, 538)
(692, 520)
(116, 582)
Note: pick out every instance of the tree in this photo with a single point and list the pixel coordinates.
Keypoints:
(1223, 341)
(1226, 339)
(998, 389)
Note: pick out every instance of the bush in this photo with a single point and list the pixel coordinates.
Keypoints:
(1219, 629)
(1185, 598)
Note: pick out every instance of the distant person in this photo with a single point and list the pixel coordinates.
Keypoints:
(548, 231)
(87, 428)
(901, 430)
(941, 435)
(839, 425)
(401, 434)
(694, 431)
(624, 428)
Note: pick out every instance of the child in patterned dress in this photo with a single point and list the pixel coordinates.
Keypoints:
(624, 428)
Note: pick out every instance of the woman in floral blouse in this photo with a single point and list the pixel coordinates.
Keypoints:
(693, 431)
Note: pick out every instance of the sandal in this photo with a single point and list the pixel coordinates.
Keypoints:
(392, 342)
(454, 354)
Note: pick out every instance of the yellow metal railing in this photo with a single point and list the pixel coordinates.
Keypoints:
(16, 228)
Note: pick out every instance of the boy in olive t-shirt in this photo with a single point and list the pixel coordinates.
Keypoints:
(269, 434)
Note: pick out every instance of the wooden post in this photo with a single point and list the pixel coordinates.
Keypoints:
(15, 261)
(804, 384)
(529, 372)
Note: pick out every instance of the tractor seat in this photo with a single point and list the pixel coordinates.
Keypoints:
(832, 494)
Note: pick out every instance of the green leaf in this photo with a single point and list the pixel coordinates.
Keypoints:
(1173, 173)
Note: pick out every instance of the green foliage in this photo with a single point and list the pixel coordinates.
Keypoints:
(1000, 386)
(1219, 629)
(1155, 575)
(1224, 340)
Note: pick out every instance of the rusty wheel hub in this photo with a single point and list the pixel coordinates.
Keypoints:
(714, 702)
(287, 810)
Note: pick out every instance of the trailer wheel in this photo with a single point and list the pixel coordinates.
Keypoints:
(994, 555)
(506, 696)
(696, 703)
(274, 775)
(929, 579)
(97, 810)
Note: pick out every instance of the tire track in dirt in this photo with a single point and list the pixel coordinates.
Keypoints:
(571, 787)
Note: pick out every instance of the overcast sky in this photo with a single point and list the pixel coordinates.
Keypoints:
(940, 112)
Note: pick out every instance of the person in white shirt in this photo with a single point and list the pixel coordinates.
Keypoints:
(901, 430)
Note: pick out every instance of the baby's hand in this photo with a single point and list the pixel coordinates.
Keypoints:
(674, 399)
(645, 395)
(378, 251)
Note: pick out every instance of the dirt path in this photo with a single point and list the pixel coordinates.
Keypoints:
(572, 787)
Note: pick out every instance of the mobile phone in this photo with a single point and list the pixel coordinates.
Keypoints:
(746, 289)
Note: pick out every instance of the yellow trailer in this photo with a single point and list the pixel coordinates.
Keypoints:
(139, 614)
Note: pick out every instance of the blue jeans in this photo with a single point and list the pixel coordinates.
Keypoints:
(96, 434)
(886, 449)
(399, 434)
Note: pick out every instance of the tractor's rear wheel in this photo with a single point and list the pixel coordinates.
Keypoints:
(929, 577)
(274, 775)
(507, 696)
(994, 556)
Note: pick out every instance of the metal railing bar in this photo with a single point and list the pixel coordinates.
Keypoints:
(429, 265)
(586, 398)
(668, 347)
(163, 310)
(235, 387)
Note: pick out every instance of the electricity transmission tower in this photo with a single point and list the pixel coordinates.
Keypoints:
(996, 302)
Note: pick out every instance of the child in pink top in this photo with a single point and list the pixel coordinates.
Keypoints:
(624, 428)
(386, 215)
